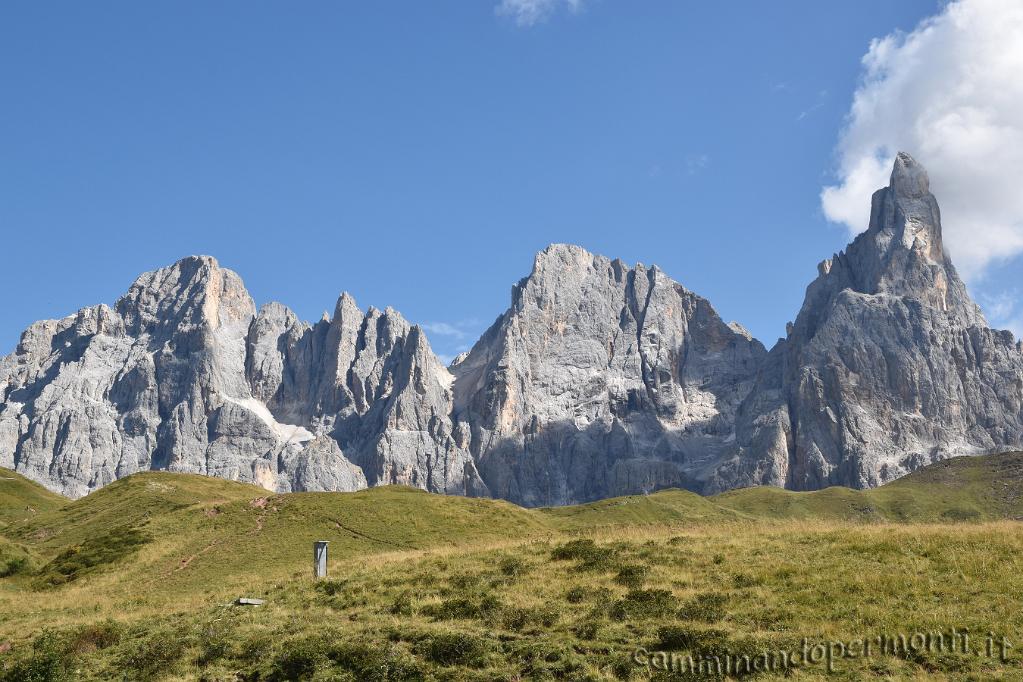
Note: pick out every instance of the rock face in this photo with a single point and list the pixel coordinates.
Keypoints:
(184, 375)
(371, 382)
(599, 380)
(889, 365)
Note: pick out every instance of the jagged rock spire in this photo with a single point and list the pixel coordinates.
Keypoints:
(889, 364)
(900, 254)
(909, 179)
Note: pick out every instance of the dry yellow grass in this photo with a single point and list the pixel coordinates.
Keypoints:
(778, 582)
(428, 587)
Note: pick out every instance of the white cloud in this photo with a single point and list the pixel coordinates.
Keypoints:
(951, 94)
(530, 12)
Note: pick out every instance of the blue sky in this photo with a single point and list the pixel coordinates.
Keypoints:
(418, 154)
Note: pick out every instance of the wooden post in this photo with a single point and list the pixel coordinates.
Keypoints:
(320, 559)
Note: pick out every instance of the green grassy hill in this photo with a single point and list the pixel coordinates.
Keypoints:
(185, 528)
(139, 576)
(959, 489)
(663, 507)
(22, 499)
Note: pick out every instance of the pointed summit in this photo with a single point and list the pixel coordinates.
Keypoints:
(905, 214)
(909, 178)
(890, 364)
(900, 254)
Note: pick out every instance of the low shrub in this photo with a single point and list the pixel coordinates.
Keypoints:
(708, 642)
(675, 637)
(513, 566)
(95, 637)
(548, 616)
(591, 557)
(331, 588)
(13, 566)
(708, 607)
(299, 659)
(603, 603)
(150, 652)
(516, 618)
(574, 550)
(640, 604)
(960, 515)
(743, 580)
(371, 664)
(49, 659)
(215, 642)
(479, 607)
(520, 618)
(257, 647)
(465, 581)
(456, 648)
(587, 629)
(403, 605)
(552, 659)
(632, 575)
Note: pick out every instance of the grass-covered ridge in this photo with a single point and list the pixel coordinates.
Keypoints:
(960, 489)
(22, 499)
(140, 577)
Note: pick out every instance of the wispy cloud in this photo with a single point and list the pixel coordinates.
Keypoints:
(696, 163)
(451, 339)
(822, 97)
(527, 13)
(444, 329)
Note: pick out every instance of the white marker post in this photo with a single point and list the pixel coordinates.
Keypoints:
(320, 559)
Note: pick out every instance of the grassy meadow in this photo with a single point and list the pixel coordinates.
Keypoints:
(138, 581)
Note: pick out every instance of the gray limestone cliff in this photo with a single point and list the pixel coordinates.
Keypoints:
(599, 380)
(602, 380)
(183, 374)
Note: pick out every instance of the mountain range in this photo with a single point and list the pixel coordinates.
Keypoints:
(599, 380)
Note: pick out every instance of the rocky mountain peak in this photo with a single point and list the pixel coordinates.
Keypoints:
(905, 217)
(909, 179)
(890, 364)
(594, 366)
(346, 305)
(900, 254)
(560, 253)
(192, 293)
